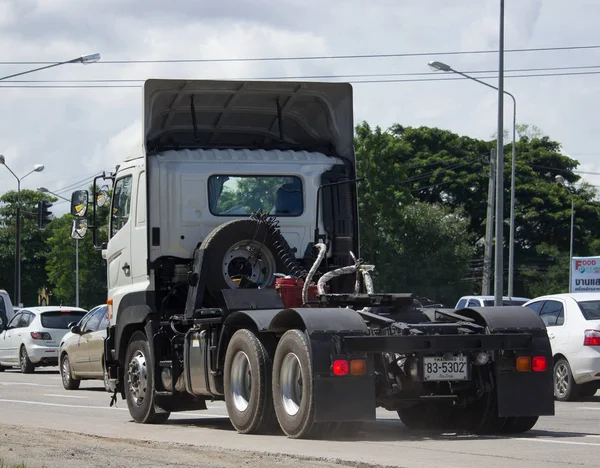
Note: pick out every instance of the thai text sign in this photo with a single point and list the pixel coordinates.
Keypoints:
(585, 274)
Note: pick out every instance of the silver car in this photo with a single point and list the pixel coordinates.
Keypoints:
(81, 350)
(32, 336)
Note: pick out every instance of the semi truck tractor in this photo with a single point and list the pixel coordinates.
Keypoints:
(234, 274)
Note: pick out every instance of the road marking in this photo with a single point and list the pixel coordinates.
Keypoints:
(59, 404)
(554, 441)
(67, 396)
(205, 415)
(27, 383)
(589, 408)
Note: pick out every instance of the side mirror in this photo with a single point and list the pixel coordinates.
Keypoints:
(76, 329)
(102, 196)
(79, 228)
(79, 203)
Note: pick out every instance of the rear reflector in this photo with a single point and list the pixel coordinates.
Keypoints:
(358, 367)
(539, 364)
(523, 364)
(591, 338)
(340, 367)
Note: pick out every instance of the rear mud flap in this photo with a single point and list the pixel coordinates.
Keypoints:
(525, 394)
(340, 398)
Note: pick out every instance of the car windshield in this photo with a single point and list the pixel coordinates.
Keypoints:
(60, 320)
(590, 309)
(505, 303)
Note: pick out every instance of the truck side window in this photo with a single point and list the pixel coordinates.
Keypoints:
(121, 206)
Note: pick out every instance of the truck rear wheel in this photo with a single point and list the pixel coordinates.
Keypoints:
(520, 424)
(293, 392)
(139, 382)
(247, 384)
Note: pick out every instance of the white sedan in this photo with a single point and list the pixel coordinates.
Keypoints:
(573, 326)
(32, 336)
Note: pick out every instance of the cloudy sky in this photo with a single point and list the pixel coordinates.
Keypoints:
(55, 118)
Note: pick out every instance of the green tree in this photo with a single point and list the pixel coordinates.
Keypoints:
(33, 250)
(436, 166)
(416, 247)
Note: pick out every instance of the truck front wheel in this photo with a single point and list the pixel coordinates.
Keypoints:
(293, 392)
(139, 382)
(247, 384)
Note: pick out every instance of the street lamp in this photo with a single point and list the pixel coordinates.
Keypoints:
(36, 168)
(561, 181)
(45, 190)
(85, 59)
(439, 66)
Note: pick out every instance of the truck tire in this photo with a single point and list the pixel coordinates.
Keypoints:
(293, 392)
(226, 255)
(481, 416)
(139, 382)
(247, 384)
(25, 364)
(520, 424)
(66, 374)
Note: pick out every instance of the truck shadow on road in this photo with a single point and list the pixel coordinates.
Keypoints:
(388, 430)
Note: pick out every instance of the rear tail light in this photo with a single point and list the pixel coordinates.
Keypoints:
(40, 336)
(340, 367)
(591, 338)
(529, 363)
(539, 364)
(353, 367)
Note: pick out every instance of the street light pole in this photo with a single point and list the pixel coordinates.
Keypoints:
(36, 168)
(511, 255)
(85, 59)
(561, 181)
(45, 190)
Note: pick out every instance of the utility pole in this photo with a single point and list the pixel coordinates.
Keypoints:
(499, 266)
(489, 228)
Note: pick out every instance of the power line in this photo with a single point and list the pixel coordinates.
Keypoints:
(351, 81)
(75, 184)
(305, 77)
(321, 57)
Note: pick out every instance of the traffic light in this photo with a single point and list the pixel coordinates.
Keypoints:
(44, 215)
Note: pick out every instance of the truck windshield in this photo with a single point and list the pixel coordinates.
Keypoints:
(590, 309)
(230, 195)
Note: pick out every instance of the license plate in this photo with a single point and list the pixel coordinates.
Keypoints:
(437, 368)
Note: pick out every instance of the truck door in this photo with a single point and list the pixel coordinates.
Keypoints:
(118, 252)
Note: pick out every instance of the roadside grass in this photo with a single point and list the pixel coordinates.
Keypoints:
(3, 464)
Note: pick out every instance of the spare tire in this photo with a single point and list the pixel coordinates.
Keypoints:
(240, 249)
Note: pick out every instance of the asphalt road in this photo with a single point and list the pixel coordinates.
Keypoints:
(572, 437)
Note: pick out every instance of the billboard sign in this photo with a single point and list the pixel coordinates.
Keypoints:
(585, 274)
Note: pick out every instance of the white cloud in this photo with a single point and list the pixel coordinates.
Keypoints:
(76, 132)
